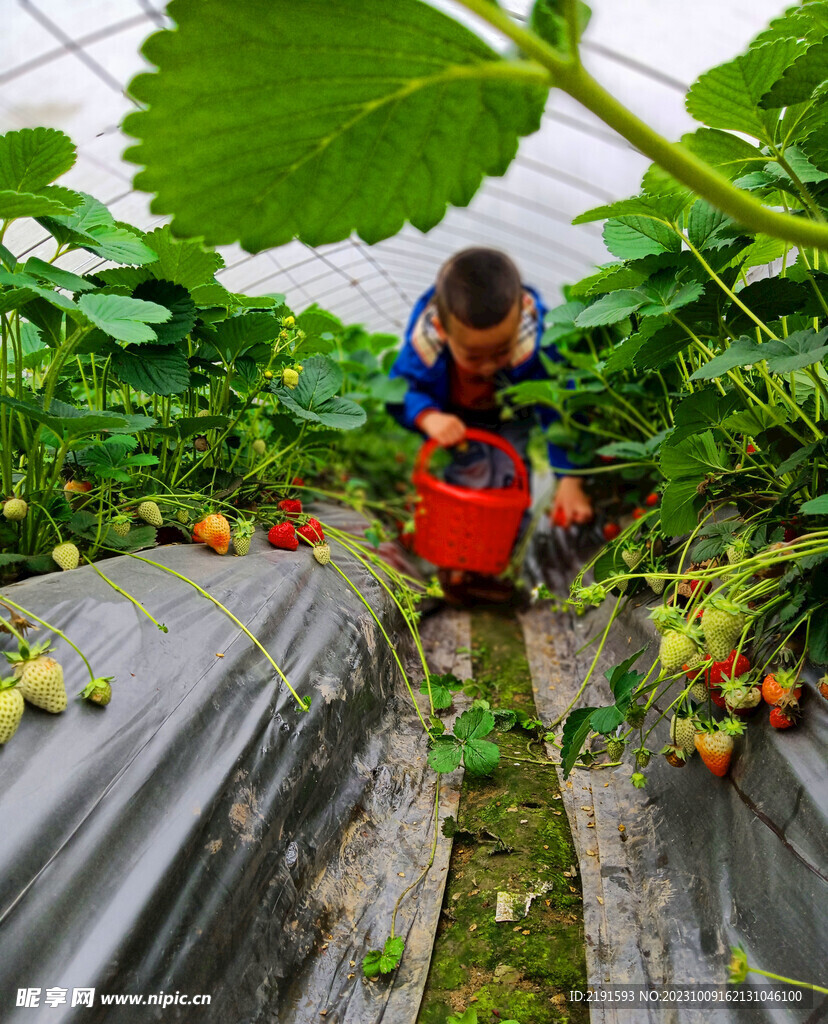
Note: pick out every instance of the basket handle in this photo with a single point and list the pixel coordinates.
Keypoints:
(521, 481)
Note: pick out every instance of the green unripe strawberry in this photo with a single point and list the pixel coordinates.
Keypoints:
(11, 711)
(632, 556)
(683, 733)
(41, 683)
(183, 516)
(15, 509)
(121, 525)
(722, 625)
(241, 545)
(615, 749)
(259, 447)
(66, 555)
(655, 583)
(98, 691)
(150, 513)
(322, 553)
(290, 378)
(642, 757)
(636, 713)
(698, 691)
(678, 648)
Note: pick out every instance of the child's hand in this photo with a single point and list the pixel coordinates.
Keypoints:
(572, 504)
(444, 428)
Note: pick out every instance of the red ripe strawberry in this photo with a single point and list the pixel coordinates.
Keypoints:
(729, 668)
(214, 531)
(560, 518)
(611, 531)
(651, 499)
(312, 530)
(779, 685)
(283, 535)
(292, 506)
(297, 481)
(637, 513)
(716, 696)
(607, 458)
(751, 450)
(784, 717)
(791, 533)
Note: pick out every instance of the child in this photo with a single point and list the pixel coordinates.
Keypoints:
(476, 331)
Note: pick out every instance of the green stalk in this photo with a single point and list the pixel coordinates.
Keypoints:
(129, 597)
(672, 157)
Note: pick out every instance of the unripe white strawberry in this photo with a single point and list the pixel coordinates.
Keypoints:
(11, 711)
(722, 624)
(655, 583)
(15, 509)
(632, 556)
(66, 555)
(41, 683)
(259, 446)
(683, 733)
(290, 378)
(150, 513)
(322, 553)
(677, 649)
(121, 525)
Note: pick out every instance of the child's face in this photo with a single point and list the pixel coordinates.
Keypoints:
(483, 351)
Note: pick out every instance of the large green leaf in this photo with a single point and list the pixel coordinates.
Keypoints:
(239, 333)
(364, 116)
(32, 158)
(91, 226)
(177, 300)
(445, 755)
(800, 79)
(630, 238)
(24, 287)
(57, 276)
(664, 294)
(575, 731)
(701, 410)
(798, 350)
(728, 96)
(680, 506)
(50, 202)
(122, 317)
(610, 309)
(694, 457)
(743, 352)
(65, 420)
(154, 369)
(185, 262)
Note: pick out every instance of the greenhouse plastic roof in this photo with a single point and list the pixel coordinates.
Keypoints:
(65, 64)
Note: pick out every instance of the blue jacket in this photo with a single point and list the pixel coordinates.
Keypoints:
(423, 361)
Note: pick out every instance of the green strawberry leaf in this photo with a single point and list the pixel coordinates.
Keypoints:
(680, 506)
(371, 963)
(123, 318)
(317, 84)
(607, 720)
(575, 731)
(741, 352)
(610, 309)
(182, 261)
(728, 95)
(474, 724)
(816, 506)
(391, 954)
(480, 757)
(798, 350)
(445, 755)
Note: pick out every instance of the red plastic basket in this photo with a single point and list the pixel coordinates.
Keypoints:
(460, 528)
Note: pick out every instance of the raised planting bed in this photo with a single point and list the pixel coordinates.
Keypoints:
(201, 834)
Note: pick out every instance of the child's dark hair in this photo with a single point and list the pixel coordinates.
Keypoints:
(478, 287)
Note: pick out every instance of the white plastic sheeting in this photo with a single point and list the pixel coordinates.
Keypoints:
(65, 63)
